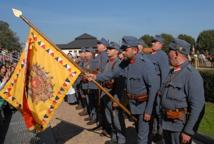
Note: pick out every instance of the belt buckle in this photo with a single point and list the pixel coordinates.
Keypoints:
(134, 96)
(130, 96)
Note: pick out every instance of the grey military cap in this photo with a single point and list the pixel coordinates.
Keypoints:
(114, 45)
(129, 41)
(180, 45)
(90, 49)
(158, 38)
(103, 41)
(82, 49)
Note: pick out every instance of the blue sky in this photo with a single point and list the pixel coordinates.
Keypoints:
(63, 20)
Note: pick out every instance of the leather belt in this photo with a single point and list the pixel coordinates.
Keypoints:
(174, 114)
(140, 98)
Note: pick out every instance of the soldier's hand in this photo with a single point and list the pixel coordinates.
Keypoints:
(147, 117)
(185, 138)
(90, 76)
(114, 104)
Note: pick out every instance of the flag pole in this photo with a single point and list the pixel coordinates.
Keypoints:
(18, 13)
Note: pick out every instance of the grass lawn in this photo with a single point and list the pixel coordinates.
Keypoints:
(207, 124)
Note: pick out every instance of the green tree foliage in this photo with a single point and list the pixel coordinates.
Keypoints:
(8, 38)
(147, 39)
(187, 38)
(167, 39)
(205, 41)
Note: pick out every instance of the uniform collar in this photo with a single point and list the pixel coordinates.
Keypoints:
(177, 68)
(132, 61)
(155, 51)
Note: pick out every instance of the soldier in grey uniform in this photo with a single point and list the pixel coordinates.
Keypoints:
(102, 59)
(84, 86)
(102, 56)
(78, 83)
(182, 96)
(161, 62)
(92, 91)
(159, 58)
(116, 87)
(141, 85)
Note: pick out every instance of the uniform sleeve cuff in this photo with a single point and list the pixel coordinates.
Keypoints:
(190, 133)
(148, 111)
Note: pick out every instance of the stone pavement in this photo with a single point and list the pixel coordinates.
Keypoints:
(15, 132)
(66, 127)
(70, 128)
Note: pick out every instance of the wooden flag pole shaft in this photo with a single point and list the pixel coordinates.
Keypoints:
(115, 100)
(82, 71)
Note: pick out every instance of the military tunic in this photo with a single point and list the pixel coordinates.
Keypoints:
(182, 89)
(161, 62)
(115, 116)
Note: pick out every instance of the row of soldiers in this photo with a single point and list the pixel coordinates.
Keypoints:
(169, 100)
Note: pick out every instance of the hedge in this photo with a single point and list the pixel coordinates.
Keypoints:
(208, 76)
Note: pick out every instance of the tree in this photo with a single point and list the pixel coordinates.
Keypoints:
(8, 39)
(187, 38)
(147, 39)
(167, 39)
(205, 41)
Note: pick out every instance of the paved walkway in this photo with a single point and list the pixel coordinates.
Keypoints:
(67, 127)
(70, 128)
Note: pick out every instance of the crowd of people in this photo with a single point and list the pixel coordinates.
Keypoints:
(167, 101)
(201, 59)
(6, 69)
(6, 110)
